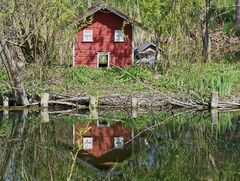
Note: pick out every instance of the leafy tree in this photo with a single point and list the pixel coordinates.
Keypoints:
(41, 29)
(36, 32)
(168, 21)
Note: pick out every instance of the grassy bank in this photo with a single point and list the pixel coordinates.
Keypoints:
(195, 79)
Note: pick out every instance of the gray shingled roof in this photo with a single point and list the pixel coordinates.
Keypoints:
(144, 46)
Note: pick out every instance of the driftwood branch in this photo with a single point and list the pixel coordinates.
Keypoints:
(145, 101)
(229, 103)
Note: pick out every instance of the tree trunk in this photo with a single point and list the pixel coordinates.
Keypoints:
(205, 31)
(7, 56)
(238, 13)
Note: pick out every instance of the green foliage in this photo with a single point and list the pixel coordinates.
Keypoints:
(195, 79)
(201, 79)
(77, 75)
(54, 24)
(5, 126)
(48, 25)
(4, 84)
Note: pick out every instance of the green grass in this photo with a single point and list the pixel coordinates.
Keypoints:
(201, 79)
(195, 79)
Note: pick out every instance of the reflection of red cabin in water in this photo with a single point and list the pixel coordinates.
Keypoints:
(101, 139)
(106, 41)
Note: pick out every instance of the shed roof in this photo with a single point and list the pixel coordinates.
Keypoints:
(144, 46)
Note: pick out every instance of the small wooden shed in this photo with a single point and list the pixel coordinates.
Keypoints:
(145, 50)
(106, 41)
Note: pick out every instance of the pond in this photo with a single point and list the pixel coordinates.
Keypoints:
(119, 145)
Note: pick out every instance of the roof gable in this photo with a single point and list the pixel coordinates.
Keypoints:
(92, 10)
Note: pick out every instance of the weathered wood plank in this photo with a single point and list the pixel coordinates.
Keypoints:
(44, 100)
(214, 100)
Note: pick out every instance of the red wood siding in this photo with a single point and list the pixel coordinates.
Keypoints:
(103, 137)
(104, 26)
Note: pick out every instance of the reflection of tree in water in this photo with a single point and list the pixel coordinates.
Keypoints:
(181, 150)
(32, 152)
(184, 148)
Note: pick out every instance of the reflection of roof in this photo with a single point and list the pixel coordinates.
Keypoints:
(109, 159)
(145, 46)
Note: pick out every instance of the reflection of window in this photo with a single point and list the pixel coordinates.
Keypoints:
(118, 36)
(87, 143)
(102, 124)
(87, 36)
(118, 142)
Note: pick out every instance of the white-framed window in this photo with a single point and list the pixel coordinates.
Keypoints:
(87, 35)
(119, 36)
(119, 142)
(103, 59)
(87, 143)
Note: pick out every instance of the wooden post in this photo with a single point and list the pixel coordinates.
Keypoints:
(94, 113)
(214, 100)
(134, 113)
(93, 102)
(134, 107)
(5, 113)
(5, 104)
(45, 115)
(214, 116)
(5, 101)
(44, 100)
(23, 118)
(134, 102)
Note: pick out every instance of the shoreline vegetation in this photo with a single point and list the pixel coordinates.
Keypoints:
(191, 84)
(36, 52)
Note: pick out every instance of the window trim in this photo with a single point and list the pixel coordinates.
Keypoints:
(89, 147)
(86, 40)
(116, 146)
(115, 33)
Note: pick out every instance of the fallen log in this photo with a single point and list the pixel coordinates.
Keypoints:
(145, 101)
(66, 104)
(229, 103)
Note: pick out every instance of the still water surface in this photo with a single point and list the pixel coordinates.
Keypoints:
(175, 145)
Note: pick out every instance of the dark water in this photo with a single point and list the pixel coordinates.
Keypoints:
(185, 145)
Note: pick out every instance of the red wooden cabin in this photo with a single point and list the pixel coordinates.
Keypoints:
(106, 41)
